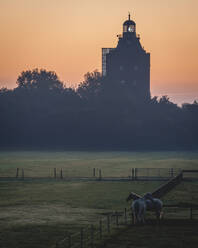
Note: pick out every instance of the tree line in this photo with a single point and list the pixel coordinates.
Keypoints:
(41, 112)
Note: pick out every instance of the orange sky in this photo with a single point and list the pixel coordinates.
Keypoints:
(66, 36)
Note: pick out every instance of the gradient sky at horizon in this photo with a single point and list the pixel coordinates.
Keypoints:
(66, 36)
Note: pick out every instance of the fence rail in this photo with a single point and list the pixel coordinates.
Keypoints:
(164, 189)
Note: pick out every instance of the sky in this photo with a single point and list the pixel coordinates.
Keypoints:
(66, 36)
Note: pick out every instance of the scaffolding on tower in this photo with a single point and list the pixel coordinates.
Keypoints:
(105, 51)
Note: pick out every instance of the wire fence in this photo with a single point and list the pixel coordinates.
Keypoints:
(95, 235)
(94, 174)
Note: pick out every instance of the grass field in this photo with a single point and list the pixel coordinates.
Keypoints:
(37, 214)
(82, 163)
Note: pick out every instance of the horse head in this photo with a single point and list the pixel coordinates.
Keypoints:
(133, 196)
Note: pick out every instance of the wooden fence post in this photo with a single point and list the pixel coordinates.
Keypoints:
(108, 223)
(100, 228)
(171, 172)
(54, 172)
(125, 216)
(191, 213)
(61, 174)
(132, 174)
(100, 174)
(92, 236)
(23, 175)
(135, 172)
(94, 172)
(132, 218)
(69, 241)
(17, 172)
(116, 218)
(81, 238)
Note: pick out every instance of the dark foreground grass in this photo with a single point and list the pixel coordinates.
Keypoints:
(170, 233)
(31, 236)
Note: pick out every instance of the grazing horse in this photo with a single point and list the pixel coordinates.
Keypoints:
(141, 204)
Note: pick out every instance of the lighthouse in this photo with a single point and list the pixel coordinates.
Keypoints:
(128, 64)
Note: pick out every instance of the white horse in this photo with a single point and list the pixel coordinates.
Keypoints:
(141, 204)
(139, 209)
(154, 204)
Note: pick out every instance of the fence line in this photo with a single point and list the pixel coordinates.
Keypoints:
(96, 233)
(164, 189)
(93, 235)
(132, 174)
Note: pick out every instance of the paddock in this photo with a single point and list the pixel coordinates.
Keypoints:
(43, 212)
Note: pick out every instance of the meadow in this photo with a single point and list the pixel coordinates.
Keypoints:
(38, 213)
(38, 164)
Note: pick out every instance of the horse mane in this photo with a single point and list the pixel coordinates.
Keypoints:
(135, 196)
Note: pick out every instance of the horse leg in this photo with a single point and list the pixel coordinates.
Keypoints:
(136, 218)
(161, 214)
(143, 217)
(158, 215)
(133, 218)
(139, 218)
(142, 214)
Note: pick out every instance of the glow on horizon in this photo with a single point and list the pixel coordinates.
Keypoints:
(67, 37)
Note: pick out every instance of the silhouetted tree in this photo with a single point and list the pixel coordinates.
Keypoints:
(42, 112)
(91, 87)
(41, 79)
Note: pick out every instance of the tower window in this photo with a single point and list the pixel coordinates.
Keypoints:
(131, 28)
(125, 28)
